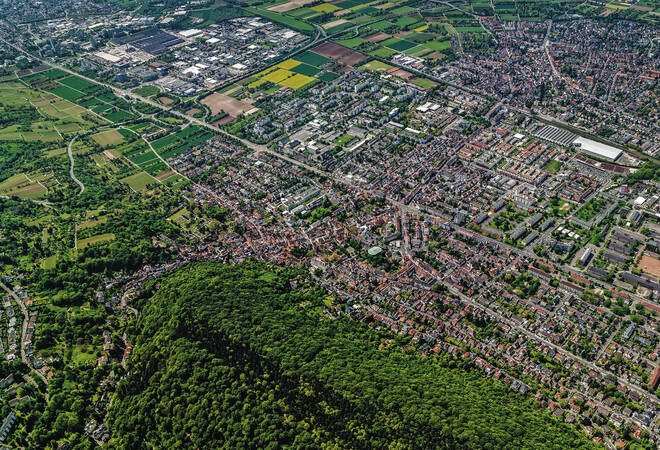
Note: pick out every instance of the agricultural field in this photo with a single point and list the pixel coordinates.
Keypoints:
(30, 115)
(177, 143)
(285, 78)
(296, 73)
(281, 19)
(32, 187)
(371, 17)
(426, 35)
(90, 96)
(413, 36)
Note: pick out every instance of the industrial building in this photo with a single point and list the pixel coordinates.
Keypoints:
(555, 135)
(566, 138)
(597, 149)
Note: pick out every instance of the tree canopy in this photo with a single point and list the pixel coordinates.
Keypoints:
(249, 355)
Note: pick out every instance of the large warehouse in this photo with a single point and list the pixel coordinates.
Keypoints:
(597, 149)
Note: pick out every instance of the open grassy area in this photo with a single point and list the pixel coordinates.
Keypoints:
(424, 83)
(109, 137)
(552, 166)
(49, 263)
(139, 181)
(377, 65)
(82, 243)
(344, 139)
(146, 91)
(91, 223)
(83, 354)
(591, 209)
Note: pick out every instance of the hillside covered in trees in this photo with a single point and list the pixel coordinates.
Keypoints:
(251, 355)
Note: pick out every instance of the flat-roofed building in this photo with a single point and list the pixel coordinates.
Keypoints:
(597, 149)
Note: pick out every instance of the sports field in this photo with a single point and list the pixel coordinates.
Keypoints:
(650, 265)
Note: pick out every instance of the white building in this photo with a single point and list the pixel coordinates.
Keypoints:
(598, 149)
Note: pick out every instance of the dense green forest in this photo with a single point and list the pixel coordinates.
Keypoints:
(251, 355)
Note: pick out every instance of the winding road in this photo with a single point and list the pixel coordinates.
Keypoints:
(73, 176)
(26, 319)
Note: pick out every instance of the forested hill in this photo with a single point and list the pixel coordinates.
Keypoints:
(232, 356)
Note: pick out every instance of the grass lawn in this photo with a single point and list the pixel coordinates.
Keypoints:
(344, 139)
(109, 137)
(146, 91)
(438, 46)
(376, 65)
(352, 43)
(82, 243)
(83, 354)
(552, 166)
(383, 52)
(139, 181)
(424, 83)
(49, 263)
